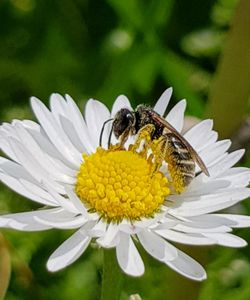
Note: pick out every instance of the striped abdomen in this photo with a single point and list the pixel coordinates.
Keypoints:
(180, 162)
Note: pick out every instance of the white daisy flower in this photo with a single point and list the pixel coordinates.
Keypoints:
(111, 196)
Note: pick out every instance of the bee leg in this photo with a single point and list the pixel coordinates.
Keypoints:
(159, 149)
(144, 134)
(179, 171)
(122, 140)
(162, 152)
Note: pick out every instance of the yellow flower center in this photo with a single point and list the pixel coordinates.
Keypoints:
(120, 184)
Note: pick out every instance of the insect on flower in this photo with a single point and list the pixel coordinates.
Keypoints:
(166, 143)
(121, 196)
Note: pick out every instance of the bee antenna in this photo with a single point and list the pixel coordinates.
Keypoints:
(110, 134)
(101, 134)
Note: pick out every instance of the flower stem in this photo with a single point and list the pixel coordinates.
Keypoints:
(111, 277)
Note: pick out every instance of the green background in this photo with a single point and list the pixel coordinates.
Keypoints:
(101, 49)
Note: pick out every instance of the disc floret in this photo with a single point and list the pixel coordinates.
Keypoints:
(120, 184)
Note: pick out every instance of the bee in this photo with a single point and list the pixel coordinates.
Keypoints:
(167, 143)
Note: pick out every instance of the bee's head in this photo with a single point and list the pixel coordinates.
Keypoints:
(123, 120)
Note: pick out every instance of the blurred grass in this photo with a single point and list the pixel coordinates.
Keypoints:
(101, 49)
(231, 88)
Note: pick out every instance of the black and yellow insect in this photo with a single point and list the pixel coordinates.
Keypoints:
(167, 143)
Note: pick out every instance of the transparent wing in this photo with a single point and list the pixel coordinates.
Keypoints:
(194, 154)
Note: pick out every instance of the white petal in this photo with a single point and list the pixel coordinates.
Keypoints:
(28, 124)
(67, 119)
(137, 226)
(214, 153)
(176, 115)
(120, 102)
(26, 221)
(57, 106)
(227, 239)
(163, 101)
(206, 141)
(96, 113)
(33, 166)
(6, 148)
(239, 221)
(188, 267)
(146, 222)
(128, 256)
(75, 223)
(199, 224)
(210, 203)
(210, 187)
(14, 170)
(212, 220)
(200, 228)
(189, 212)
(168, 223)
(27, 160)
(18, 187)
(58, 159)
(76, 202)
(226, 163)
(69, 221)
(55, 133)
(69, 129)
(80, 125)
(238, 176)
(198, 134)
(61, 200)
(68, 252)
(129, 228)
(157, 246)
(38, 190)
(98, 229)
(111, 237)
(184, 238)
(7, 130)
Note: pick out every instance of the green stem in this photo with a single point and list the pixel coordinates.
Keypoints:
(111, 277)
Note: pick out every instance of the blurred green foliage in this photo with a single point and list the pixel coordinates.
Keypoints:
(101, 49)
(104, 48)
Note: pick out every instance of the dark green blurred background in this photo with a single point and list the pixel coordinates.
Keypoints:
(101, 49)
